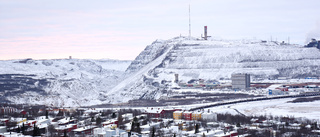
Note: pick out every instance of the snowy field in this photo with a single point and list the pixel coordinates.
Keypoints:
(279, 107)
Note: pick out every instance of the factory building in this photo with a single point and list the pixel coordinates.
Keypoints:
(240, 81)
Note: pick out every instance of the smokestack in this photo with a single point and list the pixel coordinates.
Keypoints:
(205, 33)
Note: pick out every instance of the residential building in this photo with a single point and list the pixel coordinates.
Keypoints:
(177, 115)
(196, 115)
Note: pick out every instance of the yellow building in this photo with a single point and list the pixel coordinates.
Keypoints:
(196, 115)
(177, 115)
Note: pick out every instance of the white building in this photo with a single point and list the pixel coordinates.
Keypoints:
(209, 116)
(240, 81)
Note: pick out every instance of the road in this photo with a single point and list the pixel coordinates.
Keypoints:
(255, 99)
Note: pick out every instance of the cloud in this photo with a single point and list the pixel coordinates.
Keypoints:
(109, 29)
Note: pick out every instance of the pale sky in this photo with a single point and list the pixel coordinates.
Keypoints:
(95, 29)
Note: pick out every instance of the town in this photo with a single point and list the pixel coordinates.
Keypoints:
(23, 120)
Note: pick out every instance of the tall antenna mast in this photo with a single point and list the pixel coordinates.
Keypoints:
(189, 23)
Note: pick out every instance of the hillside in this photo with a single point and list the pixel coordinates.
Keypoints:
(60, 82)
(84, 82)
(213, 59)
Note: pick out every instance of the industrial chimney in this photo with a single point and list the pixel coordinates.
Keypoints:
(205, 33)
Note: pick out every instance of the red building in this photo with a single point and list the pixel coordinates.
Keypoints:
(7, 110)
(168, 113)
(187, 115)
(283, 89)
(84, 130)
(152, 112)
(159, 113)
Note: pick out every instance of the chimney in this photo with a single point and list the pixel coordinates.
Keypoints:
(205, 33)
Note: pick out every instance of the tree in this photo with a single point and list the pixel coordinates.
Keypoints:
(65, 133)
(51, 129)
(18, 129)
(60, 113)
(132, 126)
(153, 132)
(36, 130)
(98, 121)
(47, 114)
(160, 133)
(92, 119)
(120, 120)
(11, 124)
(196, 130)
(23, 128)
(114, 115)
(315, 125)
(135, 125)
(238, 125)
(287, 124)
(138, 129)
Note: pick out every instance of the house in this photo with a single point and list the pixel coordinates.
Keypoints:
(11, 134)
(19, 120)
(187, 115)
(159, 113)
(67, 128)
(7, 110)
(152, 112)
(66, 121)
(177, 114)
(209, 116)
(109, 122)
(4, 121)
(3, 129)
(127, 116)
(196, 115)
(87, 130)
(106, 132)
(168, 113)
(214, 133)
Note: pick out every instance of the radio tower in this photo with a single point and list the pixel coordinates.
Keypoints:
(189, 24)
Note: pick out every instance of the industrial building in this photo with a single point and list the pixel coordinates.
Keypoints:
(240, 81)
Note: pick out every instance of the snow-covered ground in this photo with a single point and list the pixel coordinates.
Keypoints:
(214, 59)
(71, 82)
(91, 82)
(278, 107)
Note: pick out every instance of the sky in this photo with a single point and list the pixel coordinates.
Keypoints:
(106, 29)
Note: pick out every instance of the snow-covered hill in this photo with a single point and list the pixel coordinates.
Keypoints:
(212, 59)
(61, 82)
(77, 82)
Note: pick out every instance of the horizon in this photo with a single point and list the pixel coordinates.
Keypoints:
(121, 30)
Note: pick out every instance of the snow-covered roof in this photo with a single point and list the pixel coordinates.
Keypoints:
(84, 128)
(65, 127)
(178, 112)
(110, 121)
